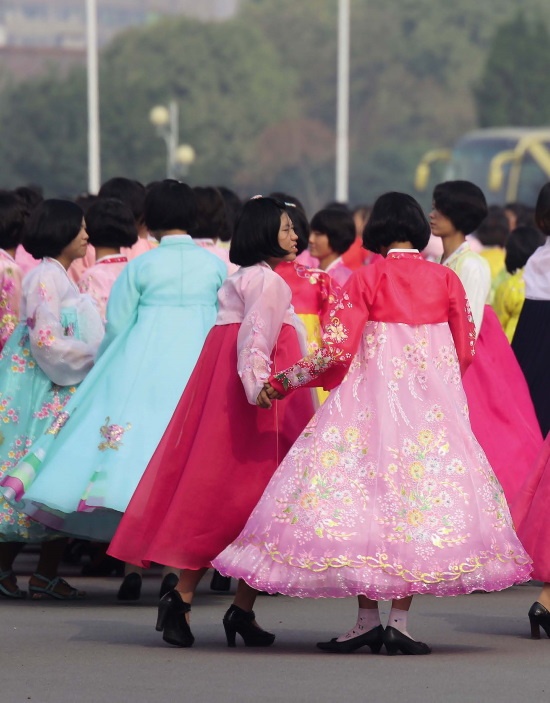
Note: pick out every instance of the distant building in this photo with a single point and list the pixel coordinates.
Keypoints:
(37, 34)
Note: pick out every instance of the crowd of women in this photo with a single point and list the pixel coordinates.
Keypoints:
(349, 405)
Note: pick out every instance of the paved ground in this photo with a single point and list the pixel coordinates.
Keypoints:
(99, 651)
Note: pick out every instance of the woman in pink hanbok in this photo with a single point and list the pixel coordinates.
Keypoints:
(386, 493)
(332, 234)
(220, 450)
(110, 226)
(12, 219)
(212, 224)
(502, 414)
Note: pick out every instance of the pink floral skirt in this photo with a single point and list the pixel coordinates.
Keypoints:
(386, 492)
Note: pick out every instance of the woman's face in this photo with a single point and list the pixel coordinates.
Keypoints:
(287, 237)
(319, 245)
(77, 248)
(440, 225)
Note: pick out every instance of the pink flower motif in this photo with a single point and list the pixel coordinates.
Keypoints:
(112, 435)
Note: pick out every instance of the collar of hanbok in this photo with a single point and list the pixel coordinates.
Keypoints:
(464, 247)
(54, 262)
(172, 239)
(403, 254)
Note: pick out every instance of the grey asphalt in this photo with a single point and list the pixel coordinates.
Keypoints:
(99, 650)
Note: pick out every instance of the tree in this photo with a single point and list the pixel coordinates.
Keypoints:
(513, 89)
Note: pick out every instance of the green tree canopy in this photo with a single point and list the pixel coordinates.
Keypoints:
(513, 89)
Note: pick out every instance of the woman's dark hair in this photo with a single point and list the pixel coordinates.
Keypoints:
(462, 202)
(233, 205)
(85, 201)
(338, 225)
(111, 223)
(12, 219)
(52, 226)
(256, 232)
(396, 217)
(542, 210)
(286, 198)
(170, 205)
(494, 230)
(521, 244)
(132, 193)
(211, 215)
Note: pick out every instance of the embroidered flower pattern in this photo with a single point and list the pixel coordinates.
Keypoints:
(112, 435)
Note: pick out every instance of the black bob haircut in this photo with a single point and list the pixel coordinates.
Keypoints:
(542, 210)
(132, 193)
(52, 226)
(170, 205)
(396, 217)
(110, 223)
(463, 203)
(338, 225)
(12, 219)
(521, 244)
(256, 232)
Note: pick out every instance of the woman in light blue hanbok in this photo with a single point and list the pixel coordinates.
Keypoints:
(47, 356)
(80, 475)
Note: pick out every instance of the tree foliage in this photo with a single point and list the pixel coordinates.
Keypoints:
(257, 96)
(513, 89)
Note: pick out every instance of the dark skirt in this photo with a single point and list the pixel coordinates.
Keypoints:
(531, 345)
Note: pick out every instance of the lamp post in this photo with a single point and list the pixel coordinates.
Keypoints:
(342, 103)
(94, 177)
(179, 157)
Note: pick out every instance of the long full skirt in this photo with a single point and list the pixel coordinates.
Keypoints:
(501, 410)
(386, 492)
(215, 459)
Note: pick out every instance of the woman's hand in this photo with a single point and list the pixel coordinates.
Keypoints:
(266, 395)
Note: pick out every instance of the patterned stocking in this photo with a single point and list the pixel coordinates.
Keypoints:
(366, 620)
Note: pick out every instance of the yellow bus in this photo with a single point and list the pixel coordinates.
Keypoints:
(510, 164)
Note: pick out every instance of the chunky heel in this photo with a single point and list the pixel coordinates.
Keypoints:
(240, 622)
(231, 635)
(535, 628)
(539, 617)
(163, 610)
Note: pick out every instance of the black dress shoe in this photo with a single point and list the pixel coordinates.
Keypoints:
(395, 641)
(374, 639)
(169, 582)
(539, 617)
(171, 620)
(130, 588)
(237, 621)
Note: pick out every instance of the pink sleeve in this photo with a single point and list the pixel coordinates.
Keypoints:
(461, 322)
(64, 359)
(341, 337)
(10, 300)
(96, 290)
(266, 301)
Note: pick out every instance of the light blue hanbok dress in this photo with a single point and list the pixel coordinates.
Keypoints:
(80, 475)
(46, 357)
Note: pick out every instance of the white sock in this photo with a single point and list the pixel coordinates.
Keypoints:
(367, 618)
(398, 619)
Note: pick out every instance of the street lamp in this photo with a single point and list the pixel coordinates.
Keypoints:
(178, 156)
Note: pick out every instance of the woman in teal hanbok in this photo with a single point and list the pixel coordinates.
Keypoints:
(80, 475)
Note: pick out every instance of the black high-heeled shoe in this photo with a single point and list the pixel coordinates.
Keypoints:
(374, 639)
(171, 620)
(238, 622)
(130, 588)
(539, 617)
(395, 641)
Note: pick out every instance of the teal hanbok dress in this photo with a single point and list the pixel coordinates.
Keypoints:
(80, 475)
